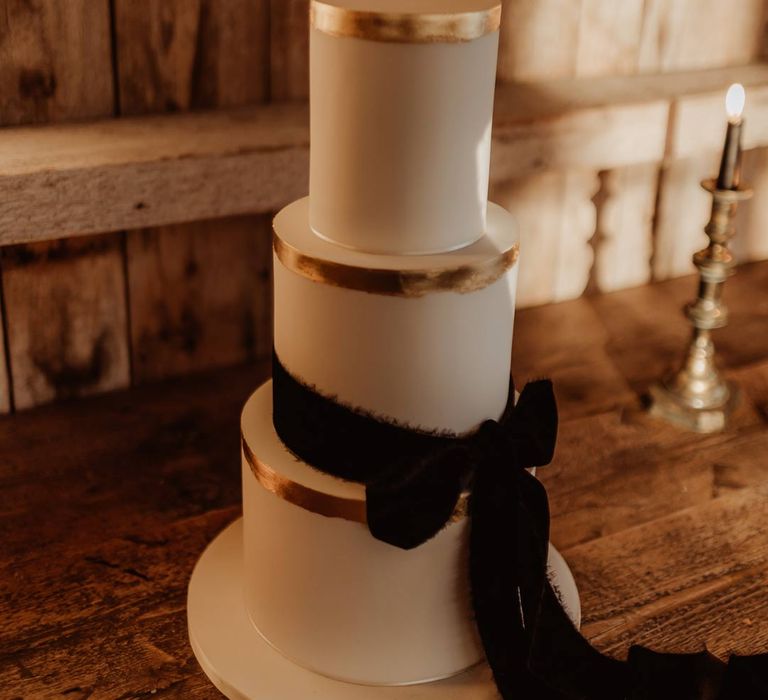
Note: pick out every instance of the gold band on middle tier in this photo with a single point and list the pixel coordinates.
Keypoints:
(316, 501)
(463, 279)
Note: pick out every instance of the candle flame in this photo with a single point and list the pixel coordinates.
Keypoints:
(734, 101)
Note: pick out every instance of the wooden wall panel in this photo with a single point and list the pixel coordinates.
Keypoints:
(200, 294)
(187, 283)
(586, 38)
(289, 49)
(66, 318)
(691, 34)
(188, 54)
(609, 37)
(204, 299)
(609, 44)
(624, 245)
(556, 218)
(539, 39)
(554, 210)
(65, 302)
(680, 35)
(683, 211)
(602, 38)
(54, 60)
(751, 241)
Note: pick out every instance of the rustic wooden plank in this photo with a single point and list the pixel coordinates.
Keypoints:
(64, 303)
(691, 34)
(624, 244)
(683, 211)
(648, 333)
(586, 380)
(181, 54)
(556, 219)
(200, 296)
(163, 170)
(751, 241)
(639, 469)
(66, 320)
(594, 137)
(154, 171)
(534, 201)
(677, 584)
(699, 122)
(745, 341)
(5, 386)
(609, 44)
(753, 382)
(43, 55)
(680, 36)
(289, 49)
(95, 599)
(697, 128)
(539, 39)
(200, 293)
(609, 37)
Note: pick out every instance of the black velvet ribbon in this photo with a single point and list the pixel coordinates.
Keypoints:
(413, 482)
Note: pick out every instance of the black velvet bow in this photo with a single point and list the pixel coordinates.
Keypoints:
(413, 483)
(406, 507)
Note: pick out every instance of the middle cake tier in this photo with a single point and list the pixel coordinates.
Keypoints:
(424, 341)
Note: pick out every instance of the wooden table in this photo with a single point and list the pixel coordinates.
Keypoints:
(106, 503)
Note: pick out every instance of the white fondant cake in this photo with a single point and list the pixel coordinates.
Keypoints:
(401, 99)
(401, 130)
(328, 596)
(438, 361)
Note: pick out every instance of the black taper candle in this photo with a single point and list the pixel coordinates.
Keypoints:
(727, 179)
(730, 164)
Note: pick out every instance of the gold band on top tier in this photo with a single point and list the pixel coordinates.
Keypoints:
(463, 279)
(316, 501)
(403, 27)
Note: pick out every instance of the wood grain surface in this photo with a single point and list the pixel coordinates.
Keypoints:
(159, 170)
(64, 301)
(106, 503)
(607, 116)
(200, 293)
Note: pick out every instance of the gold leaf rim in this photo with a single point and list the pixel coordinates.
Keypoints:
(315, 501)
(462, 279)
(403, 27)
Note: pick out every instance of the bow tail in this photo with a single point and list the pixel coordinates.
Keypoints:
(504, 543)
(557, 651)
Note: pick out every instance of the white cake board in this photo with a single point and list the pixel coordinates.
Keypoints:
(243, 666)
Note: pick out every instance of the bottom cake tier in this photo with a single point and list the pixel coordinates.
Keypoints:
(326, 594)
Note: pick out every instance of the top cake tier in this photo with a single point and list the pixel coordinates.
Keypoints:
(401, 101)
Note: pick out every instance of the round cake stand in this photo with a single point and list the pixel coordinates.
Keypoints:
(243, 666)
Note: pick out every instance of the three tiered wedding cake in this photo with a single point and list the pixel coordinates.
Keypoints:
(394, 285)
(394, 297)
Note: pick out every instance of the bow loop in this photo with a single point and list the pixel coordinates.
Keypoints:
(491, 443)
(407, 507)
(532, 424)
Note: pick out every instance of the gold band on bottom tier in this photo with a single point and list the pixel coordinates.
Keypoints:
(316, 501)
(462, 279)
(303, 496)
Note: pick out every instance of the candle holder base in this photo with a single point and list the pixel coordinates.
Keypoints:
(676, 409)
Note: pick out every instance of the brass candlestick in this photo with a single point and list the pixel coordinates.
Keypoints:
(697, 396)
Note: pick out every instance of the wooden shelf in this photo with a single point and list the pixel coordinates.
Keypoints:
(74, 179)
(106, 502)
